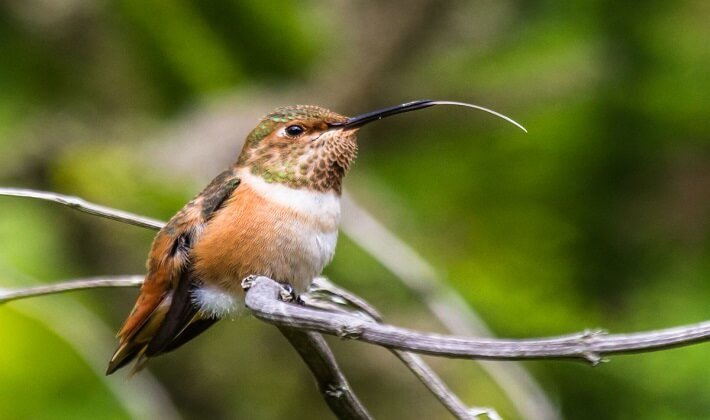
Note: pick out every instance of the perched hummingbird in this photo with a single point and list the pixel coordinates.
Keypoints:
(275, 213)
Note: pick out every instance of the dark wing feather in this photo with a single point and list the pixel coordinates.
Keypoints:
(164, 317)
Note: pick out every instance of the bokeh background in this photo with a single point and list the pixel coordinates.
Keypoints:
(599, 217)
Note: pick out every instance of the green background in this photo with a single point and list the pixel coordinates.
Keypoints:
(599, 217)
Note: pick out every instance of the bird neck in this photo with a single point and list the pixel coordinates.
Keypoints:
(300, 167)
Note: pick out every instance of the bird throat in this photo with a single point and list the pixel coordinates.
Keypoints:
(314, 166)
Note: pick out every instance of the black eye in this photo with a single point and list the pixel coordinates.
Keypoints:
(294, 130)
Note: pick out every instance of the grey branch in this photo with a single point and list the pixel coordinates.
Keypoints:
(7, 295)
(331, 382)
(86, 207)
(262, 299)
(414, 363)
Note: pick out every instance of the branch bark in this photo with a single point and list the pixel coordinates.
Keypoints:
(333, 386)
(7, 295)
(262, 299)
(84, 206)
(414, 363)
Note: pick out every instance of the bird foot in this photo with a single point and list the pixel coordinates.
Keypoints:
(288, 294)
(248, 281)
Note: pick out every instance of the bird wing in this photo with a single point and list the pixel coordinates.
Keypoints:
(163, 317)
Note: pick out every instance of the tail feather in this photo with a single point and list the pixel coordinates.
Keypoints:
(171, 334)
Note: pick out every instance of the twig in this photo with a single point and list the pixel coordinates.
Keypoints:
(86, 207)
(332, 384)
(441, 391)
(416, 365)
(7, 295)
(591, 346)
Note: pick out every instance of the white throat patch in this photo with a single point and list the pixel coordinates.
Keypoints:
(304, 201)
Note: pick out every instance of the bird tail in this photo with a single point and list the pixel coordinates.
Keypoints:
(174, 322)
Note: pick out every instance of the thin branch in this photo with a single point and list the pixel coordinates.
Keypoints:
(86, 207)
(263, 300)
(7, 295)
(144, 397)
(332, 384)
(414, 363)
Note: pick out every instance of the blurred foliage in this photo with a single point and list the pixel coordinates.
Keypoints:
(598, 217)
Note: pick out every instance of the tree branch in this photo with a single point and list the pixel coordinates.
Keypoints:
(7, 295)
(84, 206)
(414, 363)
(332, 384)
(262, 299)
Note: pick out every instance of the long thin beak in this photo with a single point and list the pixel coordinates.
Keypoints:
(369, 117)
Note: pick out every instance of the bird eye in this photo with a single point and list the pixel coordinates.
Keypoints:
(294, 130)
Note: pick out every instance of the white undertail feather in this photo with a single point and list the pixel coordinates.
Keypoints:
(217, 303)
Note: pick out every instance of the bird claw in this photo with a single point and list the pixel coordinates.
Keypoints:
(248, 282)
(288, 294)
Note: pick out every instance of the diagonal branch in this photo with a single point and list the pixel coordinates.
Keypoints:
(414, 362)
(331, 382)
(263, 300)
(7, 295)
(86, 207)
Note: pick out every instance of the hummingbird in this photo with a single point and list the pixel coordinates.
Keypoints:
(275, 212)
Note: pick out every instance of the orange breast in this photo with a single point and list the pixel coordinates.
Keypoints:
(253, 235)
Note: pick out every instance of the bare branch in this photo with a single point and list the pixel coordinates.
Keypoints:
(7, 295)
(313, 350)
(86, 207)
(144, 397)
(262, 299)
(416, 364)
(330, 380)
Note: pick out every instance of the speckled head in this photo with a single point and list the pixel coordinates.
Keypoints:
(302, 146)
(306, 146)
